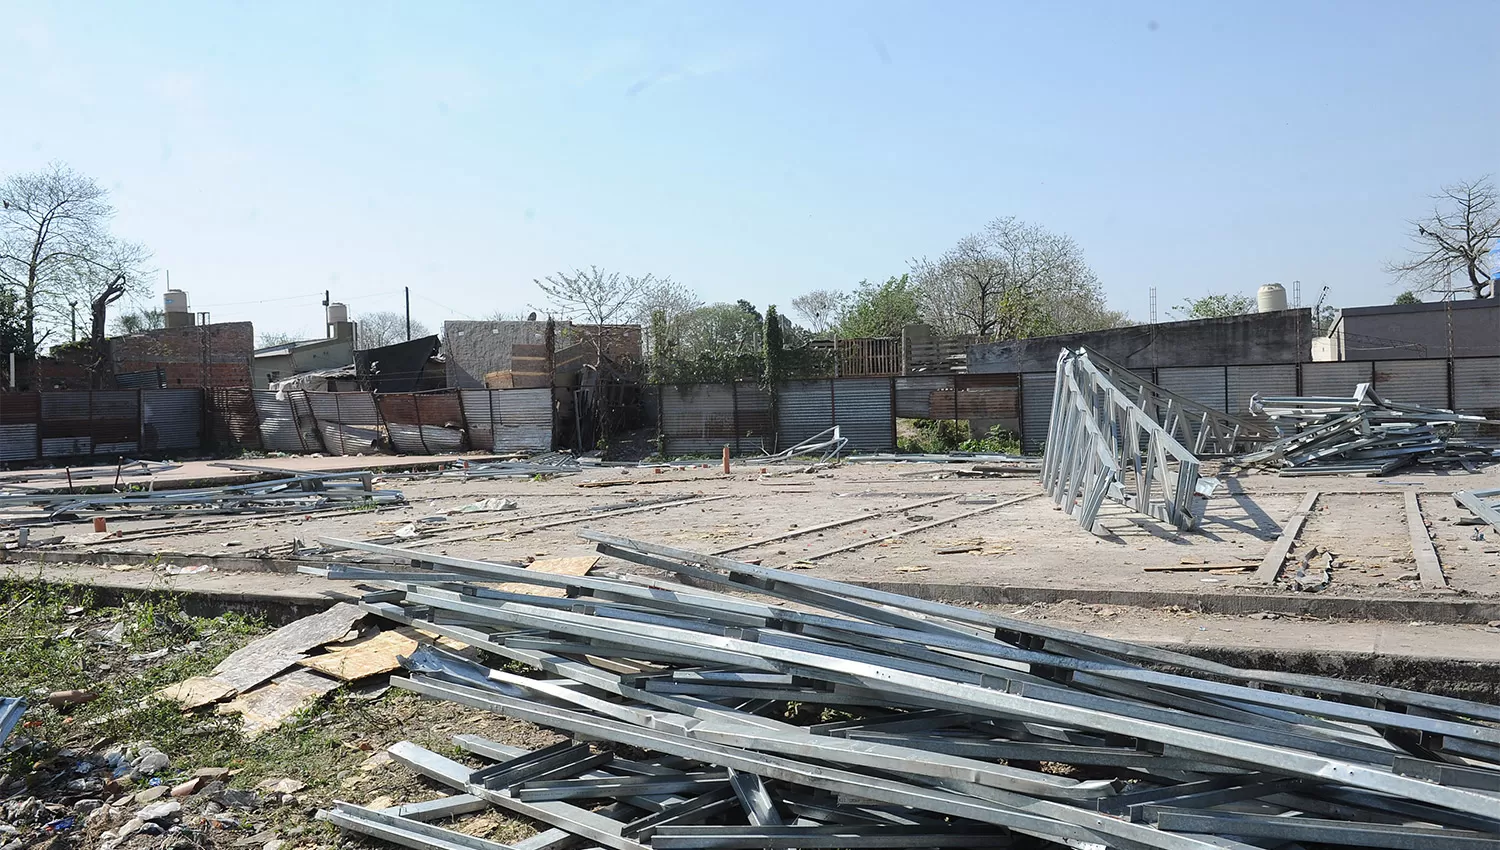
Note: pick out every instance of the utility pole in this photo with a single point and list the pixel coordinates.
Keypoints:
(408, 312)
(73, 309)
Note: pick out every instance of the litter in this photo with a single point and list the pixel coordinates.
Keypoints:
(825, 445)
(919, 724)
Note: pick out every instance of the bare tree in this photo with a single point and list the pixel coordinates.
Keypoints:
(821, 309)
(386, 328)
(1008, 280)
(1464, 225)
(49, 220)
(270, 339)
(102, 274)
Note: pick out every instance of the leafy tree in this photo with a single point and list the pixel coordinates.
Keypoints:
(716, 342)
(880, 309)
(1214, 306)
(149, 319)
(12, 326)
(775, 349)
(1010, 280)
(1453, 241)
(386, 327)
(1408, 297)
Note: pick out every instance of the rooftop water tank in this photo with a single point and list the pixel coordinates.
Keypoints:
(337, 313)
(1270, 298)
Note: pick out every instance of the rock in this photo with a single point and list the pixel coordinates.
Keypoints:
(212, 788)
(273, 844)
(212, 773)
(151, 795)
(87, 805)
(152, 762)
(282, 786)
(378, 761)
(103, 814)
(160, 811)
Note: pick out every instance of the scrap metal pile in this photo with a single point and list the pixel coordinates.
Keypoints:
(295, 493)
(824, 715)
(1362, 434)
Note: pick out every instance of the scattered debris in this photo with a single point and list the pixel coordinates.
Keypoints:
(1364, 434)
(952, 726)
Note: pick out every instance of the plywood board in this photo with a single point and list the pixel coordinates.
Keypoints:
(197, 692)
(376, 654)
(270, 705)
(262, 659)
(578, 566)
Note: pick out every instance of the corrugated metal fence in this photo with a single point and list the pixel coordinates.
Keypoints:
(1467, 384)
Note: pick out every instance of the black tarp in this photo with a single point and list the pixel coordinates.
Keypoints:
(400, 368)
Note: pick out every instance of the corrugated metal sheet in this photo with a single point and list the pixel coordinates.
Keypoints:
(862, 410)
(349, 423)
(17, 442)
(19, 413)
(752, 404)
(143, 380)
(1246, 381)
(991, 403)
(85, 423)
(1036, 409)
(1476, 386)
(1333, 380)
(804, 409)
(697, 419)
(423, 423)
(509, 420)
(171, 419)
(1204, 384)
(1413, 381)
(286, 424)
(915, 399)
(232, 420)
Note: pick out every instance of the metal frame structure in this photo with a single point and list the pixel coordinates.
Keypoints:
(943, 714)
(1210, 432)
(1102, 444)
(1484, 504)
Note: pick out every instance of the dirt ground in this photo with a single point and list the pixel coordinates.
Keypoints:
(1006, 532)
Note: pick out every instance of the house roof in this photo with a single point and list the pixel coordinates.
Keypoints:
(289, 347)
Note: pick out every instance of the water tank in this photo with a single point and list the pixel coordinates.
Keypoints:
(175, 301)
(340, 313)
(1270, 298)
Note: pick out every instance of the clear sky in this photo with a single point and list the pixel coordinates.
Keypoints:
(268, 151)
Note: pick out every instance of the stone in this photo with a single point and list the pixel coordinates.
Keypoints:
(152, 762)
(130, 828)
(87, 805)
(273, 844)
(160, 811)
(152, 794)
(212, 773)
(282, 786)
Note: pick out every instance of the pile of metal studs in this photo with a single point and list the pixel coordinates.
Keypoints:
(1363, 434)
(303, 492)
(834, 716)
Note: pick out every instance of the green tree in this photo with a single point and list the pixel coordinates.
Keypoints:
(881, 309)
(1214, 306)
(1408, 297)
(150, 319)
(12, 326)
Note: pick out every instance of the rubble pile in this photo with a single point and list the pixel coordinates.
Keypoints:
(1364, 434)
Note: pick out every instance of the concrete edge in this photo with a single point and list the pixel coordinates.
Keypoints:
(1447, 611)
(1460, 678)
(1390, 609)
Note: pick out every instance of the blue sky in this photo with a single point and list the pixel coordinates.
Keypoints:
(268, 151)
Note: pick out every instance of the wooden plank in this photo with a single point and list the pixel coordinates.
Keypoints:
(262, 659)
(1270, 567)
(578, 566)
(1428, 566)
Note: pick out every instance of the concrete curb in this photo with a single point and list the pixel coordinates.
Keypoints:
(1457, 609)
(1462, 678)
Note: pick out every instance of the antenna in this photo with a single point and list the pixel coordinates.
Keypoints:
(1153, 305)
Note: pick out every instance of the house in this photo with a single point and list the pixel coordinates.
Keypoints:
(1415, 331)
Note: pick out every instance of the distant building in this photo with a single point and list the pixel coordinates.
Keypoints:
(509, 355)
(1415, 331)
(280, 362)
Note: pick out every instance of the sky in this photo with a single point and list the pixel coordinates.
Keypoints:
(268, 151)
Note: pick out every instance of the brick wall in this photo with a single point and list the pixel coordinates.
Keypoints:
(208, 356)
